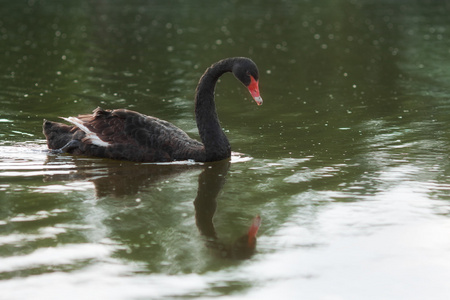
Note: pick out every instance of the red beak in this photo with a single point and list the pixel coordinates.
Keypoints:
(254, 90)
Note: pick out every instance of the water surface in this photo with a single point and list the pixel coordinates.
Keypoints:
(346, 162)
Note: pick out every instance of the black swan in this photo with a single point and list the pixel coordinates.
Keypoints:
(128, 135)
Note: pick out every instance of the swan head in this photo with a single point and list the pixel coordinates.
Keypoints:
(246, 71)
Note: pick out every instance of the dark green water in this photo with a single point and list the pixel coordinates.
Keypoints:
(346, 162)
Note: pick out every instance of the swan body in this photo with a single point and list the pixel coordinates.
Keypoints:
(128, 135)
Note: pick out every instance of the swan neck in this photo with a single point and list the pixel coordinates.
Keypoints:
(217, 146)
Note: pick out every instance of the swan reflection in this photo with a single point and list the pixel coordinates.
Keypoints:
(119, 184)
(210, 183)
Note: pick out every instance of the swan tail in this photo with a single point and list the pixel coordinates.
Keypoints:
(90, 136)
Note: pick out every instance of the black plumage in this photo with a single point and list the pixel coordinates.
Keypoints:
(128, 135)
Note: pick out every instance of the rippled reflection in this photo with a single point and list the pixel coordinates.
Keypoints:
(210, 183)
(101, 208)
